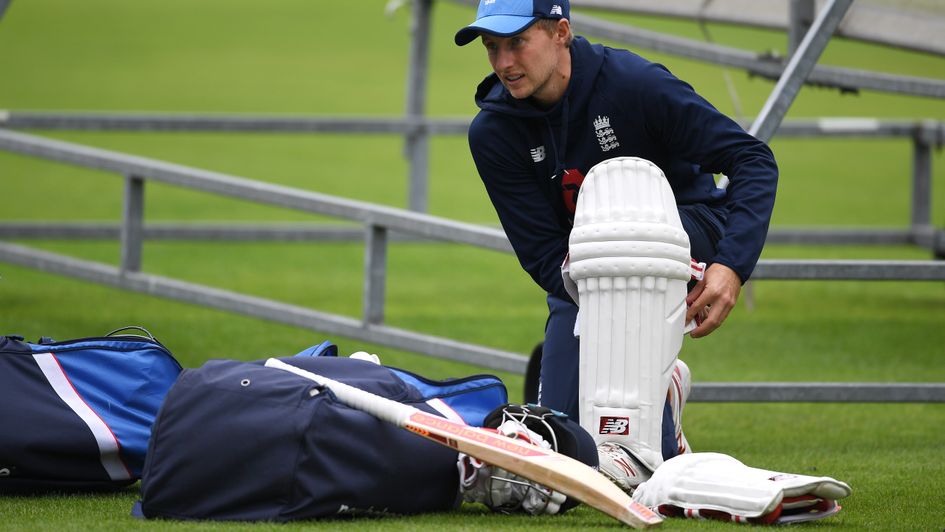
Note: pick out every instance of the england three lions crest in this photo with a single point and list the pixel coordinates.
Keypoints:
(605, 134)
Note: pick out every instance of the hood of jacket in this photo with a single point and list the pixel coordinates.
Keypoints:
(586, 60)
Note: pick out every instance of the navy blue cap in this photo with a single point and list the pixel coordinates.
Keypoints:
(505, 18)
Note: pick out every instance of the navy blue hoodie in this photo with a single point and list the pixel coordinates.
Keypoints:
(533, 160)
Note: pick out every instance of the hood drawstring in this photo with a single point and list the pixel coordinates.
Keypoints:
(559, 162)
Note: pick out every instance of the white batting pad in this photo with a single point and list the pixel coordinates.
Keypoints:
(699, 482)
(629, 256)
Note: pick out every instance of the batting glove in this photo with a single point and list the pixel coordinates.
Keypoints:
(501, 490)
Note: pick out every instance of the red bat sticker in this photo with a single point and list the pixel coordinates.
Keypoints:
(423, 423)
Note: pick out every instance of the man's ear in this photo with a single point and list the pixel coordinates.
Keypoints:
(562, 30)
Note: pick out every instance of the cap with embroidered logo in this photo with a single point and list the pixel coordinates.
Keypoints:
(505, 18)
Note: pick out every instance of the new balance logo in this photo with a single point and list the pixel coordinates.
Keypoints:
(538, 154)
(614, 425)
(556, 10)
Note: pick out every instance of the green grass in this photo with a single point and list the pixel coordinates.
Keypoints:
(347, 58)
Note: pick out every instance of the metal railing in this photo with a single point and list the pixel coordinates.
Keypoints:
(885, 25)
(925, 136)
(378, 222)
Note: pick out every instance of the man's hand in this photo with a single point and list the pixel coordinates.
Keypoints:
(713, 298)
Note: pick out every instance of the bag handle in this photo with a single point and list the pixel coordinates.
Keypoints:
(146, 334)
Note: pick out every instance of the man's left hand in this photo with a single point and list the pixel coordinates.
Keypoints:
(713, 298)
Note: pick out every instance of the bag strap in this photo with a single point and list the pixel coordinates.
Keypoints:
(147, 334)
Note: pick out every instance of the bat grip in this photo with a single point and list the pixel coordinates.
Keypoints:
(380, 407)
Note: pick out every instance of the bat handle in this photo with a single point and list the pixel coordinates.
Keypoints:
(380, 407)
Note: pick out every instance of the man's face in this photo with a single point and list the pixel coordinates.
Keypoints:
(529, 64)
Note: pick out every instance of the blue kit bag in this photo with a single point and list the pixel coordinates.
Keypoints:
(77, 414)
(241, 441)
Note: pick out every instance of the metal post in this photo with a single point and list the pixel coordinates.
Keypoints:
(418, 142)
(375, 273)
(921, 181)
(132, 224)
(801, 14)
(798, 68)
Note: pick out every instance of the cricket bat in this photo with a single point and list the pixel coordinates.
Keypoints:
(548, 468)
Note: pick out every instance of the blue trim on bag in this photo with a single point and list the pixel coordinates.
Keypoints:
(473, 397)
(324, 349)
(104, 380)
